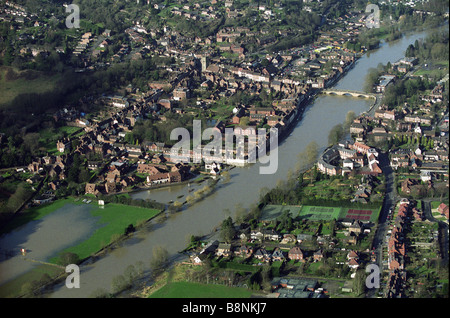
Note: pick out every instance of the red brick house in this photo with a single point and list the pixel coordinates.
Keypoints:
(295, 253)
(443, 209)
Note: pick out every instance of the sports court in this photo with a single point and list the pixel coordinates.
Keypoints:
(317, 213)
(362, 215)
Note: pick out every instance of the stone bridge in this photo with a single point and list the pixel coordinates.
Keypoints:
(348, 93)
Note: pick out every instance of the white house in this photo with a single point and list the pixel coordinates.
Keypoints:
(347, 163)
(425, 176)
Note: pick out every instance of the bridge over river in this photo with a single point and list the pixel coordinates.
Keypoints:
(341, 92)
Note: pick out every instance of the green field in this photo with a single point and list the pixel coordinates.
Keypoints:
(114, 218)
(14, 83)
(17, 286)
(271, 212)
(197, 290)
(34, 213)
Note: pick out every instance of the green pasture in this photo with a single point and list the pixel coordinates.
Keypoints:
(197, 290)
(11, 88)
(114, 219)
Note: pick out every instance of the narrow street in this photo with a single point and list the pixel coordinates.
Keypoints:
(389, 203)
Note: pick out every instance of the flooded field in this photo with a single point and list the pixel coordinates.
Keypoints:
(44, 238)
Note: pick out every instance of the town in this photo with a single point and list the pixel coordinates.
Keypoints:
(377, 194)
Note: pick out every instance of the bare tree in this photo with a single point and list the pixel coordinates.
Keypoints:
(159, 261)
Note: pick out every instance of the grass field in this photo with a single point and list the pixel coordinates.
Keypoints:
(15, 287)
(34, 213)
(18, 84)
(271, 212)
(115, 218)
(197, 290)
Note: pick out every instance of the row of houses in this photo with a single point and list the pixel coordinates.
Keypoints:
(260, 253)
(397, 252)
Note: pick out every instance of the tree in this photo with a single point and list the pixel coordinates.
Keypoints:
(99, 293)
(359, 283)
(84, 175)
(227, 230)
(31, 142)
(22, 193)
(240, 213)
(349, 118)
(130, 274)
(159, 261)
(119, 283)
(286, 221)
(312, 151)
(307, 157)
(244, 121)
(129, 229)
(335, 134)
(68, 258)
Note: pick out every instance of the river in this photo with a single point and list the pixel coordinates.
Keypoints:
(244, 187)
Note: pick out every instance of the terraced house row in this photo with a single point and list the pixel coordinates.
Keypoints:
(397, 250)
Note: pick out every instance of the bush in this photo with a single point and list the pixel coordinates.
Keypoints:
(68, 258)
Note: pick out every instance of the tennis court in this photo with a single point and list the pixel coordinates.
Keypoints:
(362, 215)
(317, 213)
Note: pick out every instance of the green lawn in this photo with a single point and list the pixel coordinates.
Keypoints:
(435, 204)
(15, 287)
(49, 136)
(197, 290)
(115, 218)
(9, 89)
(272, 211)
